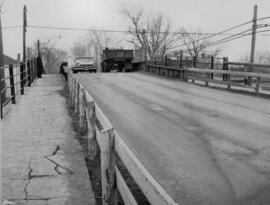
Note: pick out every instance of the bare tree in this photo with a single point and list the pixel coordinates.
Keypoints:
(97, 41)
(153, 33)
(193, 41)
(79, 48)
(260, 57)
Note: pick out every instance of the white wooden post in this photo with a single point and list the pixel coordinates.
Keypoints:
(257, 89)
(109, 191)
(73, 92)
(91, 124)
(77, 92)
(82, 109)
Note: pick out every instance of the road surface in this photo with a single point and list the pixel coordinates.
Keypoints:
(204, 146)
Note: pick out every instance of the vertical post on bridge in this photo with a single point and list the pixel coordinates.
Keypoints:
(12, 85)
(28, 67)
(212, 67)
(76, 100)
(109, 191)
(82, 109)
(22, 78)
(91, 124)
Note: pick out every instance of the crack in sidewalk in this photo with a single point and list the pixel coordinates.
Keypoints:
(57, 165)
(29, 177)
(56, 150)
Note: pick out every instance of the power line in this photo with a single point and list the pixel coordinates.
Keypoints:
(221, 32)
(263, 18)
(77, 29)
(227, 40)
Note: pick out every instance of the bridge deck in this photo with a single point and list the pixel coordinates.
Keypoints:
(41, 161)
(204, 146)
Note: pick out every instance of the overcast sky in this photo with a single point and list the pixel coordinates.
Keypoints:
(206, 15)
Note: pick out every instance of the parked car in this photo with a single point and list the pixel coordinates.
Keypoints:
(84, 64)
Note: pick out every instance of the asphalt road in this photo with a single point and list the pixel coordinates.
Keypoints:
(204, 146)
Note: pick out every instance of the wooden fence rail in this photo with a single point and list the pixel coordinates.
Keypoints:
(27, 74)
(101, 133)
(206, 75)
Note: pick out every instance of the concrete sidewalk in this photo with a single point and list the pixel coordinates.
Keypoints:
(42, 162)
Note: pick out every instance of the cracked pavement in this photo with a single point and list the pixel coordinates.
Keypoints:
(42, 162)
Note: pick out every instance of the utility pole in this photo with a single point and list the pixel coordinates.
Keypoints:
(24, 33)
(253, 41)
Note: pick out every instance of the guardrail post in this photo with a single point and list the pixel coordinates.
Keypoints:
(91, 124)
(166, 60)
(12, 86)
(109, 191)
(82, 109)
(195, 61)
(155, 62)
(207, 76)
(182, 71)
(257, 89)
(76, 97)
(212, 67)
(22, 78)
(73, 90)
(224, 76)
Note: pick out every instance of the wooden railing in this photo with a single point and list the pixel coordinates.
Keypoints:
(102, 133)
(15, 79)
(224, 77)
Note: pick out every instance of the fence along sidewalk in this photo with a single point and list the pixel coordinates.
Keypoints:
(27, 74)
(103, 134)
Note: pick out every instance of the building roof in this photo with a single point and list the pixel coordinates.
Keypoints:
(8, 60)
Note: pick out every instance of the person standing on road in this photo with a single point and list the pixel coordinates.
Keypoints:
(62, 69)
(40, 67)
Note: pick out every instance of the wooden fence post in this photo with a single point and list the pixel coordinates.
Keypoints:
(257, 89)
(12, 86)
(166, 60)
(91, 124)
(28, 73)
(228, 76)
(82, 109)
(193, 76)
(77, 93)
(108, 177)
(22, 78)
(73, 92)
(195, 61)
(212, 67)
(207, 75)
(155, 63)
(181, 66)
(224, 68)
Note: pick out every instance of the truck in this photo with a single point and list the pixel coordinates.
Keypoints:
(117, 60)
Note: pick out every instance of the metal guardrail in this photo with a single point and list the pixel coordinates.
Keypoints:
(27, 74)
(224, 76)
(102, 134)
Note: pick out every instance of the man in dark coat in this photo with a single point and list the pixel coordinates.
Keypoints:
(62, 69)
(40, 67)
